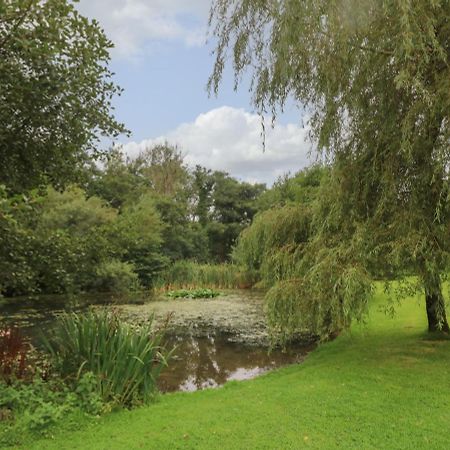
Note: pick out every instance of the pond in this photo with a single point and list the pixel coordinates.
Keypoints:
(216, 340)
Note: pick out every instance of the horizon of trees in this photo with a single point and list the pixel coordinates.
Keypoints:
(126, 222)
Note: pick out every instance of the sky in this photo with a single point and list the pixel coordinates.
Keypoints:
(162, 61)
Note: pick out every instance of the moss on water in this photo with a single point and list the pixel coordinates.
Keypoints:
(239, 313)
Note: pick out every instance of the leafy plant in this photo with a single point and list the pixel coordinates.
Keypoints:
(193, 293)
(125, 361)
(38, 403)
(14, 354)
(116, 276)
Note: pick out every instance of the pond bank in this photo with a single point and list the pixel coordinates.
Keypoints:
(384, 385)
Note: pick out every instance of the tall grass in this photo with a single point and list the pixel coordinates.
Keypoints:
(191, 275)
(125, 361)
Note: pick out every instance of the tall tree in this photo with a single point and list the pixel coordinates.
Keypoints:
(163, 166)
(374, 77)
(55, 92)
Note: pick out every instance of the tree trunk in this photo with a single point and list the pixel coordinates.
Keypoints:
(437, 319)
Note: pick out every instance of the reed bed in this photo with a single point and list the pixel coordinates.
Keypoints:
(191, 275)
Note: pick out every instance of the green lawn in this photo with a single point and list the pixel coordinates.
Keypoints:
(382, 386)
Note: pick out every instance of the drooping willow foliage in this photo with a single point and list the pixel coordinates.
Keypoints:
(273, 245)
(317, 282)
(374, 78)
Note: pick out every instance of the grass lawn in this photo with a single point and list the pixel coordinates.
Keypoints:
(385, 385)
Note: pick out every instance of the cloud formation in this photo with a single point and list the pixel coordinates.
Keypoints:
(136, 25)
(229, 139)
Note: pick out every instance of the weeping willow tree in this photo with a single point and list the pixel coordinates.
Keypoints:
(374, 79)
(273, 245)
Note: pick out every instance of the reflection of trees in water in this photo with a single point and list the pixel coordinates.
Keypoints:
(211, 361)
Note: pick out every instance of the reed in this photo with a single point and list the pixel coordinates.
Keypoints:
(191, 275)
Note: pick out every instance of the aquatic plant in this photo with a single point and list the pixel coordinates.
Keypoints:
(126, 361)
(193, 293)
(191, 275)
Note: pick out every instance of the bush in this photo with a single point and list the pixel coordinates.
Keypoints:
(125, 361)
(116, 276)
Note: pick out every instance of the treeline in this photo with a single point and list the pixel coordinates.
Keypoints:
(121, 225)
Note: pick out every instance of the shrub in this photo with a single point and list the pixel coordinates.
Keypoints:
(125, 361)
(37, 404)
(116, 276)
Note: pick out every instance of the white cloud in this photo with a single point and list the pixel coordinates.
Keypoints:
(135, 25)
(229, 139)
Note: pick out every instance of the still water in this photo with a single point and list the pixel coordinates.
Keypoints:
(198, 362)
(202, 362)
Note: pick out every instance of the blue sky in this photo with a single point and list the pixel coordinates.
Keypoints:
(163, 63)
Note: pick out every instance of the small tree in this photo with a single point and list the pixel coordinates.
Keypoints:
(374, 77)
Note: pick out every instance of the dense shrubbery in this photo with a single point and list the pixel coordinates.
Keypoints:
(64, 242)
(37, 404)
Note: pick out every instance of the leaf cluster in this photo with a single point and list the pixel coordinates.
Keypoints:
(56, 93)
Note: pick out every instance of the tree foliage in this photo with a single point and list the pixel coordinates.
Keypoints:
(374, 78)
(56, 92)
(64, 242)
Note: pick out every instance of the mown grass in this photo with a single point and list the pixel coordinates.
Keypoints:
(385, 385)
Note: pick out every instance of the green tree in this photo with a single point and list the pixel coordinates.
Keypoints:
(71, 240)
(233, 208)
(116, 182)
(374, 78)
(17, 245)
(203, 187)
(136, 238)
(223, 206)
(300, 188)
(56, 92)
(163, 168)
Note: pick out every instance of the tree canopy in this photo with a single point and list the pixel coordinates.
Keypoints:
(374, 79)
(55, 92)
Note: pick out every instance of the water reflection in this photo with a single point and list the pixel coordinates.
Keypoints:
(198, 362)
(211, 361)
